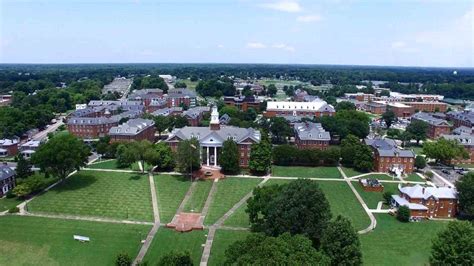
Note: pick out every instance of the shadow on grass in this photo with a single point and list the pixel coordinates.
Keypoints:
(78, 181)
(136, 177)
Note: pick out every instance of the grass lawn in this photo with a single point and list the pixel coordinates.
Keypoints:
(396, 243)
(229, 191)
(414, 177)
(170, 191)
(466, 165)
(43, 241)
(112, 164)
(350, 172)
(240, 218)
(372, 198)
(380, 177)
(99, 194)
(6, 204)
(342, 201)
(168, 240)
(199, 196)
(300, 171)
(417, 150)
(222, 240)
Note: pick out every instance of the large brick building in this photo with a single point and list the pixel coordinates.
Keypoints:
(195, 115)
(317, 108)
(429, 107)
(133, 130)
(467, 141)
(180, 98)
(401, 110)
(463, 118)
(310, 135)
(388, 158)
(212, 138)
(375, 108)
(427, 202)
(243, 103)
(436, 126)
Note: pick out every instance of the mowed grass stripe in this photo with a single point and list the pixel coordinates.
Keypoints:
(309, 172)
(99, 194)
(199, 196)
(44, 241)
(170, 192)
(229, 191)
(222, 240)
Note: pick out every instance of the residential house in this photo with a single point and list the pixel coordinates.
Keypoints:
(388, 157)
(7, 179)
(8, 147)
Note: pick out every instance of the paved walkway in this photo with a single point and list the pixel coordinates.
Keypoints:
(209, 199)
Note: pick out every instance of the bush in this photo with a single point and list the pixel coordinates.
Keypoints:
(429, 174)
(420, 162)
(32, 184)
(123, 259)
(10, 195)
(14, 210)
(287, 155)
(387, 196)
(403, 214)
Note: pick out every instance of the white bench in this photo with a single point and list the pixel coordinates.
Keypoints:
(81, 238)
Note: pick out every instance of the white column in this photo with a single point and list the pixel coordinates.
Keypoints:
(215, 156)
(207, 155)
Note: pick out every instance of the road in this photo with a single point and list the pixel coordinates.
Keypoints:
(43, 134)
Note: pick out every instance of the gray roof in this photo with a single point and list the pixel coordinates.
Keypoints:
(465, 140)
(419, 192)
(412, 206)
(132, 127)
(464, 115)
(388, 148)
(145, 94)
(8, 142)
(463, 130)
(167, 111)
(311, 131)
(6, 172)
(428, 118)
(224, 119)
(181, 92)
(103, 120)
(238, 134)
(196, 111)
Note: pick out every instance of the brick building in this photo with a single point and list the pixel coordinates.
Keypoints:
(388, 158)
(243, 103)
(401, 110)
(359, 96)
(194, 115)
(171, 111)
(8, 147)
(436, 126)
(463, 118)
(133, 130)
(302, 109)
(149, 97)
(429, 107)
(375, 108)
(212, 138)
(180, 98)
(427, 202)
(310, 135)
(7, 180)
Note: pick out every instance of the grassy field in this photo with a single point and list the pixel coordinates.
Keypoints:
(239, 219)
(99, 194)
(372, 198)
(167, 240)
(170, 191)
(199, 196)
(229, 192)
(6, 204)
(222, 240)
(396, 243)
(380, 177)
(299, 171)
(416, 150)
(189, 84)
(414, 177)
(342, 201)
(43, 241)
(112, 164)
(350, 172)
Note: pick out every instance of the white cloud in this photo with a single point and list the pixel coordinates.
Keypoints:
(398, 45)
(290, 6)
(284, 47)
(220, 46)
(256, 45)
(309, 18)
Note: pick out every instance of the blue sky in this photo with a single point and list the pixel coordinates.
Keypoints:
(376, 32)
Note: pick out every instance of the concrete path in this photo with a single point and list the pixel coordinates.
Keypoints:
(156, 225)
(209, 199)
(373, 221)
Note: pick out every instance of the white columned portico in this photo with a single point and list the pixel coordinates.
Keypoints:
(207, 155)
(215, 156)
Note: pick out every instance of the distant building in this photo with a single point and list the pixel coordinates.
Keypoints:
(427, 202)
(243, 103)
(389, 158)
(28, 148)
(180, 98)
(463, 130)
(7, 180)
(467, 141)
(168, 78)
(5, 100)
(147, 97)
(304, 109)
(463, 118)
(359, 96)
(310, 135)
(133, 130)
(436, 126)
(8, 147)
(429, 107)
(375, 108)
(120, 85)
(172, 111)
(194, 115)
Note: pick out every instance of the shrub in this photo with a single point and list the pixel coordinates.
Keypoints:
(14, 210)
(123, 259)
(287, 155)
(387, 196)
(429, 174)
(10, 195)
(403, 214)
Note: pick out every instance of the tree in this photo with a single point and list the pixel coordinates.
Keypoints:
(389, 117)
(176, 258)
(163, 157)
(345, 106)
(123, 259)
(161, 123)
(444, 150)
(258, 249)
(102, 145)
(454, 245)
(23, 167)
(125, 156)
(341, 243)
(418, 130)
(465, 188)
(387, 196)
(363, 158)
(420, 162)
(299, 207)
(280, 129)
(229, 157)
(260, 157)
(271, 90)
(61, 155)
(349, 147)
(403, 214)
(188, 156)
(142, 151)
(180, 84)
(179, 121)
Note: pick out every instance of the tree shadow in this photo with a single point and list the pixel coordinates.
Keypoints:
(76, 182)
(135, 177)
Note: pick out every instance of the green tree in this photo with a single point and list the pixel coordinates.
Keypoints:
(142, 151)
(349, 147)
(271, 90)
(363, 158)
(161, 123)
(180, 84)
(420, 162)
(61, 155)
(444, 150)
(280, 129)
(188, 156)
(345, 106)
(123, 259)
(299, 207)
(389, 117)
(102, 145)
(23, 167)
(179, 122)
(454, 245)
(125, 156)
(341, 243)
(176, 258)
(260, 157)
(418, 129)
(465, 188)
(258, 249)
(229, 157)
(403, 214)
(162, 157)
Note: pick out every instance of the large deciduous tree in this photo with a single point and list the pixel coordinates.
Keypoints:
(61, 155)
(418, 130)
(260, 157)
(162, 157)
(280, 129)
(161, 123)
(229, 158)
(465, 188)
(23, 167)
(389, 117)
(188, 156)
(176, 258)
(454, 245)
(444, 150)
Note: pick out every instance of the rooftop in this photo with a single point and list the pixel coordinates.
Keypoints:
(420, 192)
(388, 148)
(6, 172)
(311, 131)
(430, 119)
(131, 127)
(321, 106)
(213, 137)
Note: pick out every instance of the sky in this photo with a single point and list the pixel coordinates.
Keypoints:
(438, 33)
